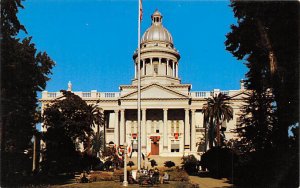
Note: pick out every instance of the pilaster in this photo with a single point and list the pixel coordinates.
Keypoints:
(193, 133)
(144, 131)
(122, 127)
(187, 130)
(116, 131)
(165, 133)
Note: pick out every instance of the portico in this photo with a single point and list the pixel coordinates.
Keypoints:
(167, 128)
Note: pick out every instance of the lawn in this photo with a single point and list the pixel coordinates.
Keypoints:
(109, 184)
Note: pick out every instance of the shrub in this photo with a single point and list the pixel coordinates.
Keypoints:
(117, 174)
(169, 164)
(219, 161)
(102, 176)
(98, 166)
(130, 163)
(107, 165)
(189, 164)
(153, 163)
(178, 175)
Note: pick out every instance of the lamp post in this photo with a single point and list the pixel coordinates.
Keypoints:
(125, 182)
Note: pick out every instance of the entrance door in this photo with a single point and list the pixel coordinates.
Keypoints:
(154, 148)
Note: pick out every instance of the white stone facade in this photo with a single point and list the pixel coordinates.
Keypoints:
(172, 120)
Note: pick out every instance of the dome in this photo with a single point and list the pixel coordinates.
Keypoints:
(156, 32)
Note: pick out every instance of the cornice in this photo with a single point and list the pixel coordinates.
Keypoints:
(157, 99)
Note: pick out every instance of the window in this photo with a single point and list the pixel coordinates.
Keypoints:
(134, 147)
(174, 145)
(86, 94)
(177, 127)
(152, 127)
(156, 69)
(172, 127)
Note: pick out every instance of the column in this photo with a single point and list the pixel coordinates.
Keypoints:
(193, 131)
(151, 66)
(165, 139)
(176, 69)
(167, 67)
(159, 65)
(122, 127)
(144, 130)
(135, 73)
(116, 132)
(187, 129)
(173, 68)
(144, 68)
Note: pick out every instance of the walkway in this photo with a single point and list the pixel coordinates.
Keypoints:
(208, 182)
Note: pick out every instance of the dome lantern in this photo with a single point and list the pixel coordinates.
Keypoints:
(156, 18)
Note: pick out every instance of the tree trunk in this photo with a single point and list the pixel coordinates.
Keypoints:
(267, 44)
(34, 153)
(205, 136)
(218, 132)
(211, 134)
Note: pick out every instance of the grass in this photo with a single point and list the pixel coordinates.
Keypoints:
(109, 184)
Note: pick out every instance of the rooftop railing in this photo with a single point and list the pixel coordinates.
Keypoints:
(206, 94)
(114, 95)
(85, 95)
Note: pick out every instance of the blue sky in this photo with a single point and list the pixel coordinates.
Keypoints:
(92, 41)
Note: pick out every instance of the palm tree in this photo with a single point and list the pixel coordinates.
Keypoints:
(97, 143)
(98, 120)
(216, 110)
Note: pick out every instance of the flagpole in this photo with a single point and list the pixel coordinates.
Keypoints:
(139, 87)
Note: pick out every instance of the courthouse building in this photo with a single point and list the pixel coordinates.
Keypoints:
(171, 118)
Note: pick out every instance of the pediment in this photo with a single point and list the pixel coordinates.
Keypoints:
(241, 95)
(156, 91)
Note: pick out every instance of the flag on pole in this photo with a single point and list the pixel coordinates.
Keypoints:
(141, 9)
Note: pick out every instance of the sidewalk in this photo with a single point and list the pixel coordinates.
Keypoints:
(208, 182)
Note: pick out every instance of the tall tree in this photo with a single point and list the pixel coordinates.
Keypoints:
(266, 36)
(216, 110)
(24, 72)
(69, 121)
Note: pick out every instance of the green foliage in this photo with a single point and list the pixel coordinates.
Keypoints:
(24, 72)
(257, 123)
(107, 164)
(216, 110)
(189, 164)
(73, 115)
(60, 155)
(109, 154)
(219, 161)
(98, 142)
(69, 121)
(266, 37)
(169, 164)
(153, 163)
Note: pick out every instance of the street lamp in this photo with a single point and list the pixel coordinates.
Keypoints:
(125, 182)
